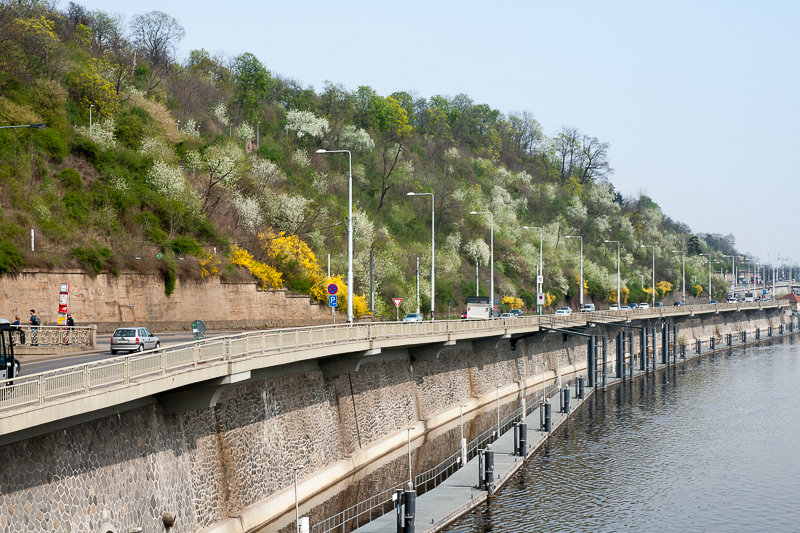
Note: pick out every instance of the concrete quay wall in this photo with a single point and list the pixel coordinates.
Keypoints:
(231, 467)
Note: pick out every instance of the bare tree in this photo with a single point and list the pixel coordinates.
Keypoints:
(156, 36)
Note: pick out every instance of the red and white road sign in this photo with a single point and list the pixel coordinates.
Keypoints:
(397, 301)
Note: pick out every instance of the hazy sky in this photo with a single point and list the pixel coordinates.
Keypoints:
(697, 99)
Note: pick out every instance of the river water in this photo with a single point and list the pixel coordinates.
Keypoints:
(710, 446)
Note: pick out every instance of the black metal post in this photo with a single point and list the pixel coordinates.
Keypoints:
(580, 387)
(605, 361)
(630, 346)
(516, 438)
(655, 347)
(547, 421)
(566, 401)
(399, 507)
(620, 359)
(410, 498)
(675, 344)
(590, 364)
(643, 350)
(523, 439)
(664, 343)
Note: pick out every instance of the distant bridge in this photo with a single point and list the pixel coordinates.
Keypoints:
(193, 375)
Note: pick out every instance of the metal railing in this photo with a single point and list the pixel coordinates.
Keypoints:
(25, 335)
(38, 389)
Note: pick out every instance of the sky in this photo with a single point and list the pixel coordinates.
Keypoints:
(697, 100)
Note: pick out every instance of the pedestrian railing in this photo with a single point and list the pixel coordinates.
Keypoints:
(25, 335)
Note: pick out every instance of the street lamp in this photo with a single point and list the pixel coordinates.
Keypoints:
(350, 291)
(619, 302)
(683, 274)
(653, 286)
(709, 274)
(432, 244)
(581, 287)
(491, 255)
(540, 274)
(34, 126)
(733, 273)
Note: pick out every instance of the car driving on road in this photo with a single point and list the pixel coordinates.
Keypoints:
(133, 339)
(564, 311)
(412, 317)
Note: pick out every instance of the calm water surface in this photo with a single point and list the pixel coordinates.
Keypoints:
(712, 446)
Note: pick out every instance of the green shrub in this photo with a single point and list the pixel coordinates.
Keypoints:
(51, 142)
(70, 179)
(93, 260)
(10, 258)
(272, 151)
(77, 206)
(86, 149)
(185, 245)
(129, 127)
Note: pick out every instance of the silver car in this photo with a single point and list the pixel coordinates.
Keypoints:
(133, 339)
(412, 317)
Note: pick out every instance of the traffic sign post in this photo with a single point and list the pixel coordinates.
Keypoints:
(333, 288)
(397, 302)
(333, 300)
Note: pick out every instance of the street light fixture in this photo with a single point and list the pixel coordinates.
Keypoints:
(34, 126)
(683, 274)
(619, 302)
(653, 286)
(733, 272)
(581, 281)
(350, 291)
(540, 274)
(432, 245)
(491, 255)
(709, 274)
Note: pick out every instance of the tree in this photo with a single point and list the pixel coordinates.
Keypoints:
(251, 85)
(693, 246)
(156, 35)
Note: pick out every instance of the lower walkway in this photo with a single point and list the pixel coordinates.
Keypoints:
(459, 494)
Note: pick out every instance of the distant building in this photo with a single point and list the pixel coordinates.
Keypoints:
(794, 300)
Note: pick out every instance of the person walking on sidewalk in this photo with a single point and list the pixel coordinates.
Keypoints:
(35, 321)
(70, 324)
(18, 329)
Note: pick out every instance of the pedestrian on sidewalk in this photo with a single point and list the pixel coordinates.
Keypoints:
(34, 322)
(18, 329)
(70, 324)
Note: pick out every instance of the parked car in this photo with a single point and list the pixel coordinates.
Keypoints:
(632, 306)
(507, 315)
(564, 311)
(587, 308)
(625, 308)
(613, 307)
(658, 304)
(516, 312)
(133, 339)
(643, 305)
(412, 317)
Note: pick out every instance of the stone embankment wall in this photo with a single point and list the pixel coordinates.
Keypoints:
(231, 467)
(112, 301)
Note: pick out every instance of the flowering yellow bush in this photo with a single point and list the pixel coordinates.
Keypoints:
(697, 289)
(513, 301)
(624, 293)
(549, 299)
(664, 288)
(209, 264)
(268, 276)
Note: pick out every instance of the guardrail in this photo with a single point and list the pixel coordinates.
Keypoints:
(25, 335)
(132, 370)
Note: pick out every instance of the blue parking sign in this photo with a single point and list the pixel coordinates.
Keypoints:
(333, 300)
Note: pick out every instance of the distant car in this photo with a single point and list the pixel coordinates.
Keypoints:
(516, 312)
(587, 308)
(632, 306)
(412, 317)
(564, 311)
(613, 307)
(658, 304)
(678, 304)
(464, 313)
(713, 302)
(507, 315)
(133, 339)
(625, 308)
(643, 305)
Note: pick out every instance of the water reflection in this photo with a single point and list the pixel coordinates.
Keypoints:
(710, 446)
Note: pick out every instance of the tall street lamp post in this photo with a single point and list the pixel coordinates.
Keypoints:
(540, 274)
(683, 274)
(653, 286)
(432, 245)
(707, 256)
(619, 302)
(491, 254)
(733, 273)
(581, 280)
(350, 291)
(34, 126)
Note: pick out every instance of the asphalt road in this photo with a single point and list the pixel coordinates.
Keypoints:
(103, 341)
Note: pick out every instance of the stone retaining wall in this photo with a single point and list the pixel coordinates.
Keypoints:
(113, 301)
(212, 466)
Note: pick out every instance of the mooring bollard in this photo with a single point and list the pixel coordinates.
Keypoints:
(547, 420)
(699, 346)
(730, 339)
(488, 481)
(744, 336)
(780, 329)
(769, 331)
(523, 439)
(580, 387)
(713, 341)
(566, 400)
(620, 365)
(481, 468)
(410, 499)
(758, 333)
(643, 349)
